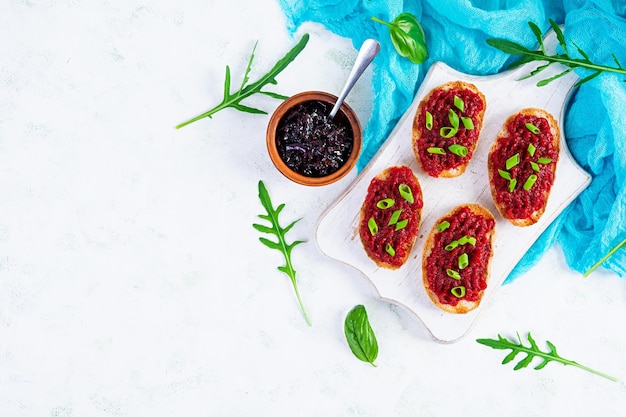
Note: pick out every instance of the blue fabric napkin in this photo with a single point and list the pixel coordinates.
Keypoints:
(456, 33)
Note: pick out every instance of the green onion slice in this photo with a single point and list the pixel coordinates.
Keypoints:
(371, 223)
(385, 203)
(504, 174)
(395, 217)
(468, 124)
(453, 274)
(512, 185)
(512, 161)
(471, 240)
(535, 166)
(463, 261)
(439, 151)
(530, 182)
(429, 120)
(450, 246)
(406, 193)
(390, 250)
(544, 161)
(533, 129)
(402, 224)
(458, 103)
(531, 149)
(459, 150)
(458, 291)
(448, 132)
(443, 226)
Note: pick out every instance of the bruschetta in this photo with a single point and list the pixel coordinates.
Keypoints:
(446, 128)
(522, 165)
(390, 216)
(457, 258)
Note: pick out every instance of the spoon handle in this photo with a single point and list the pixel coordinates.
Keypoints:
(368, 51)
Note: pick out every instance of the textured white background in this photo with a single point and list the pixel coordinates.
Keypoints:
(132, 282)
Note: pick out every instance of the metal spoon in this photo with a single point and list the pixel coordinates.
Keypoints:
(366, 54)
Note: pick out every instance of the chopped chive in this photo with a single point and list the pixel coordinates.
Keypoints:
(443, 226)
(458, 103)
(544, 161)
(463, 240)
(530, 182)
(371, 223)
(402, 224)
(468, 124)
(512, 185)
(533, 129)
(471, 240)
(429, 120)
(535, 166)
(395, 217)
(531, 149)
(453, 274)
(385, 203)
(459, 150)
(458, 291)
(390, 250)
(406, 193)
(512, 161)
(439, 151)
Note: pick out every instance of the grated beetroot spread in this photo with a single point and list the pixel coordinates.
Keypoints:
(463, 223)
(520, 203)
(309, 143)
(378, 190)
(438, 104)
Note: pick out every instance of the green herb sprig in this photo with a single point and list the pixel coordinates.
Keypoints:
(610, 253)
(281, 244)
(360, 336)
(528, 55)
(407, 37)
(246, 90)
(532, 352)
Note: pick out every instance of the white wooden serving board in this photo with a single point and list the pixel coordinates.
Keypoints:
(337, 230)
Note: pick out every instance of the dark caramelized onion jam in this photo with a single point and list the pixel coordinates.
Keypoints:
(311, 144)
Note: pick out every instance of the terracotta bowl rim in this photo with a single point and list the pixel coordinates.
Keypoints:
(302, 97)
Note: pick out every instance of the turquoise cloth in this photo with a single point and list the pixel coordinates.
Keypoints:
(456, 33)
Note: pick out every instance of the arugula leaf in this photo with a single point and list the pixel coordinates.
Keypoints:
(246, 90)
(531, 352)
(407, 37)
(610, 253)
(360, 336)
(528, 55)
(281, 243)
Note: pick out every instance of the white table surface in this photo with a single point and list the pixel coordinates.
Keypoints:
(132, 282)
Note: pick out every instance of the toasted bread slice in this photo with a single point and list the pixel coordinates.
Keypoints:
(462, 289)
(519, 205)
(389, 219)
(447, 164)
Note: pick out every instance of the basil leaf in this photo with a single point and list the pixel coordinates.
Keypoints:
(407, 37)
(360, 336)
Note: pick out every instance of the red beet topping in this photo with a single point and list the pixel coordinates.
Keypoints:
(439, 104)
(379, 190)
(520, 203)
(463, 223)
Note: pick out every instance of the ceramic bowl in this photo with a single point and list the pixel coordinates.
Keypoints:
(284, 109)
